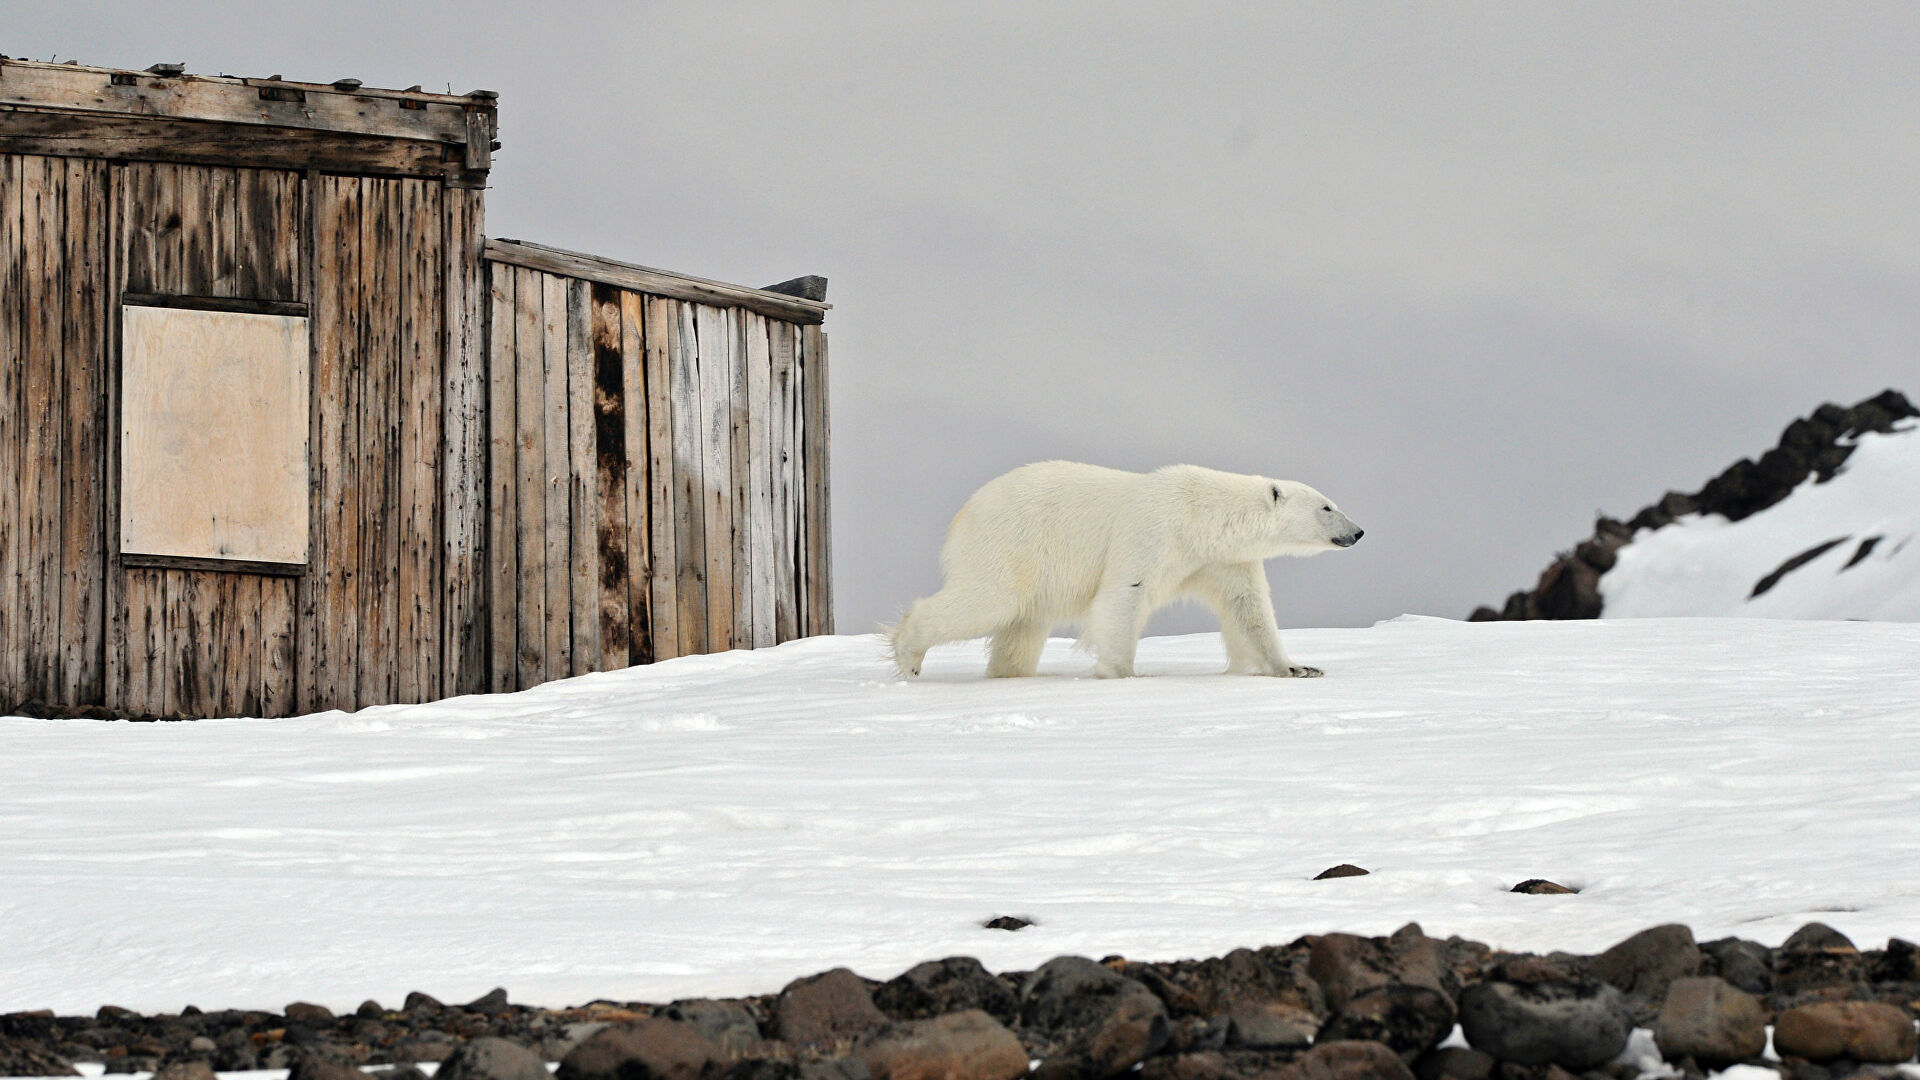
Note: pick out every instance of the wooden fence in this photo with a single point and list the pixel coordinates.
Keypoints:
(657, 469)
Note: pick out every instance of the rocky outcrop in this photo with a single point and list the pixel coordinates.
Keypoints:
(1323, 1007)
(1816, 446)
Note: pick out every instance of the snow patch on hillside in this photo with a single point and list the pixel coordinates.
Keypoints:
(1867, 518)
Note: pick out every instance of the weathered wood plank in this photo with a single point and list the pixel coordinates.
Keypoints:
(689, 476)
(656, 282)
(715, 338)
(192, 650)
(785, 496)
(268, 234)
(740, 460)
(760, 447)
(583, 647)
(530, 523)
(221, 197)
(640, 478)
(277, 644)
(13, 256)
(418, 390)
(378, 658)
(503, 517)
(148, 690)
(236, 617)
(330, 651)
(438, 118)
(813, 348)
(113, 590)
(611, 462)
(189, 142)
(464, 472)
(556, 663)
(83, 557)
(44, 220)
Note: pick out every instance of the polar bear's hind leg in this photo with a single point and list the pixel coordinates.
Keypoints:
(952, 614)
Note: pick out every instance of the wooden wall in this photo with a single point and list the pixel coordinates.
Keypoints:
(516, 474)
(391, 606)
(656, 479)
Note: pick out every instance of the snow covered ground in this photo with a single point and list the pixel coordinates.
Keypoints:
(1867, 518)
(720, 825)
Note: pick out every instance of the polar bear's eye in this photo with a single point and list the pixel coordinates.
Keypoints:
(1276, 493)
(1328, 509)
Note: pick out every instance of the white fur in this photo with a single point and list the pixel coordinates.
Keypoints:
(1059, 543)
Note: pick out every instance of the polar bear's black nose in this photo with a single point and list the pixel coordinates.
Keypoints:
(1358, 533)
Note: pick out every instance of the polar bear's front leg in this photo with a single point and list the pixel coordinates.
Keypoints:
(1113, 629)
(1239, 595)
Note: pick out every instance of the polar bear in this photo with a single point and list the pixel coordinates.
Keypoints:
(1063, 543)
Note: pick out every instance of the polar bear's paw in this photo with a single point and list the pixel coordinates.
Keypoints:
(1300, 671)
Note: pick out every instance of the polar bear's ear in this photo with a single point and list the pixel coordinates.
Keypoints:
(1276, 493)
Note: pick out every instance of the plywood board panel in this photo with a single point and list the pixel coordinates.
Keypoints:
(214, 435)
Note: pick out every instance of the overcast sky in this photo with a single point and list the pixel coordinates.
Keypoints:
(1475, 271)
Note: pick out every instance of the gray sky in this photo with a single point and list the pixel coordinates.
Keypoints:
(1475, 271)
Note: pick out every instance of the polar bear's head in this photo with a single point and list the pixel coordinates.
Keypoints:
(1301, 521)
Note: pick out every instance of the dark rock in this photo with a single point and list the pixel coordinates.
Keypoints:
(729, 1025)
(968, 1045)
(22, 1057)
(1345, 965)
(1210, 988)
(1576, 1025)
(370, 1009)
(1542, 887)
(1817, 937)
(1269, 1025)
(492, 1003)
(650, 1049)
(490, 1058)
(1346, 1061)
(1745, 964)
(1345, 869)
(1710, 1021)
(1007, 922)
(302, 1012)
(1899, 962)
(398, 1072)
(1454, 1063)
(1093, 1022)
(944, 986)
(1860, 1030)
(1817, 958)
(828, 1007)
(417, 1001)
(319, 1067)
(1644, 965)
(1197, 1065)
(1410, 1019)
(115, 1012)
(421, 1049)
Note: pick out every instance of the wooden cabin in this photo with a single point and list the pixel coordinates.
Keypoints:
(281, 430)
